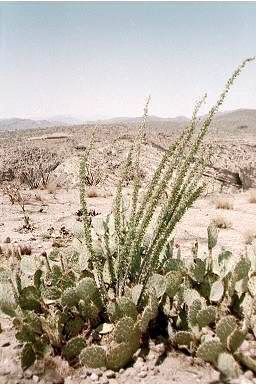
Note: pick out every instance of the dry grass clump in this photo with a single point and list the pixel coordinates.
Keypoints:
(250, 236)
(223, 203)
(222, 222)
(252, 196)
(92, 192)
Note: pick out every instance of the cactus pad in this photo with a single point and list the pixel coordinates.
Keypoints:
(93, 357)
(198, 270)
(210, 350)
(212, 232)
(118, 356)
(127, 332)
(174, 280)
(193, 312)
(69, 298)
(183, 338)
(73, 348)
(206, 316)
(158, 282)
(126, 307)
(252, 285)
(235, 339)
(228, 366)
(225, 327)
(7, 301)
(29, 298)
(241, 269)
(87, 290)
(28, 356)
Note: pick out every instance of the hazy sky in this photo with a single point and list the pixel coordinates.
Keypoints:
(103, 59)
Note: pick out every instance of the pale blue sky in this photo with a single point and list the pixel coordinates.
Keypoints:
(103, 59)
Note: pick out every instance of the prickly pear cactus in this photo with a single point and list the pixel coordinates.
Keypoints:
(87, 290)
(118, 356)
(228, 366)
(93, 357)
(126, 331)
(225, 327)
(174, 279)
(193, 312)
(69, 297)
(210, 350)
(198, 270)
(235, 339)
(183, 338)
(149, 313)
(126, 307)
(73, 348)
(212, 231)
(206, 316)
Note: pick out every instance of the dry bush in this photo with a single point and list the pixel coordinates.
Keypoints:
(92, 192)
(252, 196)
(223, 203)
(222, 222)
(250, 236)
(15, 194)
(30, 165)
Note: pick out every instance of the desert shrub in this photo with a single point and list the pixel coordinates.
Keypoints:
(223, 203)
(93, 173)
(31, 165)
(222, 222)
(252, 196)
(98, 305)
(17, 196)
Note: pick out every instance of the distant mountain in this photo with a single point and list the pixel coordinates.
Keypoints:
(233, 122)
(151, 119)
(14, 124)
(65, 119)
(230, 122)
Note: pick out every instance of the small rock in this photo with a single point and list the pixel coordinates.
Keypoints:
(139, 364)
(249, 375)
(121, 370)
(6, 344)
(104, 380)
(159, 348)
(94, 377)
(28, 374)
(156, 371)
(129, 371)
(190, 360)
(142, 374)
(110, 374)
(35, 378)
